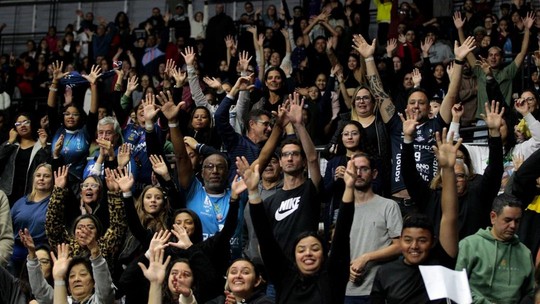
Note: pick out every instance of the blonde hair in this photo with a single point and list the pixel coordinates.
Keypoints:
(34, 192)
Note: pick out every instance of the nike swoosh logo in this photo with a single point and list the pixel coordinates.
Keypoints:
(281, 216)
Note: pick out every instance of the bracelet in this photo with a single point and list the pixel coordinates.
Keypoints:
(149, 126)
(368, 59)
(59, 283)
(53, 89)
(460, 62)
(253, 196)
(173, 125)
(127, 194)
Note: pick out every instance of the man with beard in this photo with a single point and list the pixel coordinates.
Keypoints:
(294, 208)
(374, 233)
(475, 196)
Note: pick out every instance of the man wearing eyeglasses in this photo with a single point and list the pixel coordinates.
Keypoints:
(258, 128)
(474, 196)
(375, 232)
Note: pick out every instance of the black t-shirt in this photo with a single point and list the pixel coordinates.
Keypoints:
(398, 282)
(19, 179)
(291, 212)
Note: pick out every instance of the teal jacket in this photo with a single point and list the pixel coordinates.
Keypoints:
(499, 272)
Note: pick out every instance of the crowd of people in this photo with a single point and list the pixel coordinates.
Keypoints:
(93, 208)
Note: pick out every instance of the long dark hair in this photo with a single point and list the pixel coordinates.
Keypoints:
(197, 235)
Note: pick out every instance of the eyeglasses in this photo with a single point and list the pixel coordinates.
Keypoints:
(89, 186)
(67, 114)
(266, 123)
(211, 167)
(22, 123)
(352, 133)
(364, 98)
(290, 153)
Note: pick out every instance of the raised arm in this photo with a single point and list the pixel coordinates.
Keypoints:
(446, 152)
(458, 23)
(455, 80)
(527, 22)
(57, 68)
(383, 100)
(55, 227)
(294, 114)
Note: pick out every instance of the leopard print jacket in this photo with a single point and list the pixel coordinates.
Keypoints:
(109, 243)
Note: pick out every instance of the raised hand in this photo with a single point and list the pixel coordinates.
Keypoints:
(461, 51)
(60, 177)
(493, 116)
(536, 57)
(124, 155)
(159, 240)
(457, 112)
(42, 135)
(528, 21)
(124, 179)
(416, 77)
(260, 40)
(391, 46)
(183, 241)
(57, 68)
(170, 66)
(251, 177)
(243, 60)
(28, 242)
(458, 21)
(132, 84)
(158, 165)
(450, 69)
(229, 42)
(426, 45)
(485, 66)
(157, 269)
(446, 150)
(95, 72)
(58, 146)
(361, 46)
(253, 30)
(238, 186)
(213, 82)
(179, 76)
(189, 55)
(150, 107)
(112, 185)
(350, 174)
(168, 108)
(61, 263)
(302, 91)
(294, 113)
(410, 121)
